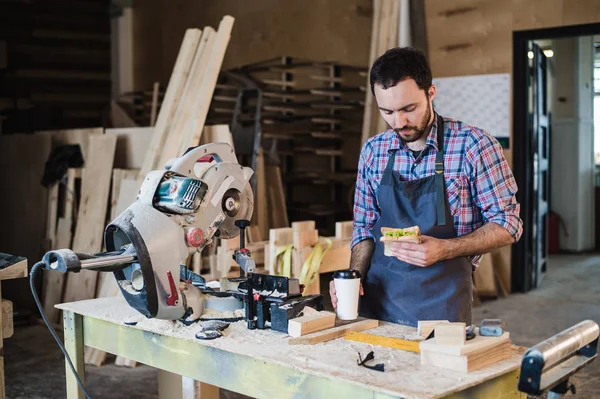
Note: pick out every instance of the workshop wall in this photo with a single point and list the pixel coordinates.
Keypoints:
(475, 37)
(333, 30)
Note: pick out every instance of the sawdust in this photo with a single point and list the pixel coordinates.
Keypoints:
(403, 376)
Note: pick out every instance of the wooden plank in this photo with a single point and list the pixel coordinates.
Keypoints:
(132, 146)
(466, 363)
(476, 345)
(260, 217)
(117, 179)
(51, 216)
(450, 334)
(310, 323)
(209, 81)
(92, 212)
(72, 136)
(343, 230)
(305, 239)
(333, 333)
(171, 100)
(185, 111)
(426, 327)
(154, 109)
(217, 134)
(337, 257)
(72, 174)
(304, 225)
(276, 197)
(53, 280)
(277, 238)
(7, 319)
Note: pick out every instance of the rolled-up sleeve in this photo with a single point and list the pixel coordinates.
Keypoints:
(495, 185)
(366, 211)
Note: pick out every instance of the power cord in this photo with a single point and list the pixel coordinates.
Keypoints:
(34, 270)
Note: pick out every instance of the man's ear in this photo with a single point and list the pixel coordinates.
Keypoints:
(431, 91)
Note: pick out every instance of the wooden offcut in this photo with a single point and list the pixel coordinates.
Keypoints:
(335, 332)
(311, 323)
(450, 334)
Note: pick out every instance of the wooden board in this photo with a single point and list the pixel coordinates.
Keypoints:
(72, 136)
(132, 146)
(305, 325)
(171, 100)
(183, 118)
(54, 280)
(477, 344)
(467, 363)
(7, 319)
(89, 231)
(276, 197)
(360, 324)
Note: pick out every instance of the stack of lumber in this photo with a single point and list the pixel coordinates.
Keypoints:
(449, 349)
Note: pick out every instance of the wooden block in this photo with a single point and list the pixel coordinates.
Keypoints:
(477, 344)
(358, 325)
(343, 230)
(305, 239)
(7, 319)
(306, 225)
(467, 363)
(311, 323)
(450, 334)
(425, 327)
(337, 257)
(277, 238)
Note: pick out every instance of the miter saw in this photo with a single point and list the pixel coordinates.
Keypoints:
(203, 194)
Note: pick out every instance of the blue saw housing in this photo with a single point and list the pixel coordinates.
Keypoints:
(179, 194)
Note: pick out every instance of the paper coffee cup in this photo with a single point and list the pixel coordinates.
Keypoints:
(347, 286)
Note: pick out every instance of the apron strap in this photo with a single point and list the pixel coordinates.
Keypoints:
(440, 188)
(390, 164)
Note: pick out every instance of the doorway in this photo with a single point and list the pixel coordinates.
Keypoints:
(538, 119)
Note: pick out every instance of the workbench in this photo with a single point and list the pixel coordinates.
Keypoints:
(261, 363)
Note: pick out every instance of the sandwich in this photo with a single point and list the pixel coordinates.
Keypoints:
(389, 235)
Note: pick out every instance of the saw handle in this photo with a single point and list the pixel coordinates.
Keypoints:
(185, 164)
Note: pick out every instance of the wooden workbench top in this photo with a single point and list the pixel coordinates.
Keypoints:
(403, 377)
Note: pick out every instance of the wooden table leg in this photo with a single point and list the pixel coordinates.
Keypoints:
(74, 345)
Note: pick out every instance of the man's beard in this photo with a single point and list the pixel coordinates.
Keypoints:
(418, 131)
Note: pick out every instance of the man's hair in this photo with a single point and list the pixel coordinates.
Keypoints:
(398, 64)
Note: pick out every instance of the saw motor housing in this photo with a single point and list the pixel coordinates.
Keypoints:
(177, 212)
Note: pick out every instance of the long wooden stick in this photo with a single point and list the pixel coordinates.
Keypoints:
(171, 99)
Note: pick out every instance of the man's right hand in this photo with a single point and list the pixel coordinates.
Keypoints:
(334, 297)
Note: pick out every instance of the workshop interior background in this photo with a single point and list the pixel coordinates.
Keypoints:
(73, 70)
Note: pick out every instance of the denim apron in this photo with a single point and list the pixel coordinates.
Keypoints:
(398, 292)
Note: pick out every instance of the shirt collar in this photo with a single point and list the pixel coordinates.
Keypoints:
(396, 143)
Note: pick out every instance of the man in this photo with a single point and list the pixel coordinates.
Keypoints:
(447, 177)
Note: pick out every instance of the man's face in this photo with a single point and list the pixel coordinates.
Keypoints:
(406, 108)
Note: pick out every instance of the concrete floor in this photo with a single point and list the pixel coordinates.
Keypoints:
(570, 293)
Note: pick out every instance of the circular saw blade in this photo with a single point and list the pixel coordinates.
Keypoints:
(228, 229)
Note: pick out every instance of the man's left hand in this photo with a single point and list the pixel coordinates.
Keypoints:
(431, 250)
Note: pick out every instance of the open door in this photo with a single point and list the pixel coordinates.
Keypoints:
(540, 151)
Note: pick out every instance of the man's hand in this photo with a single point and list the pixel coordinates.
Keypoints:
(334, 297)
(431, 250)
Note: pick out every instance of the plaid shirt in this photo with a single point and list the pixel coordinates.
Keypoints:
(479, 183)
